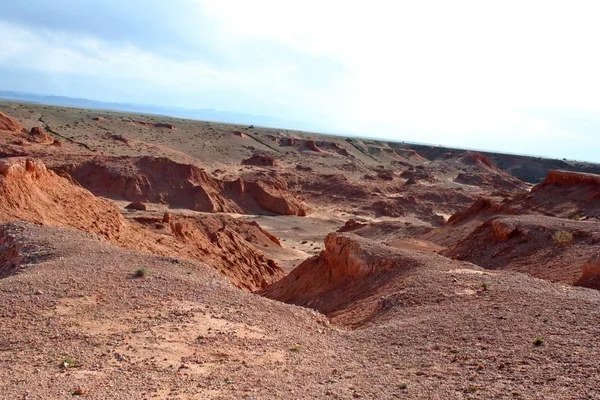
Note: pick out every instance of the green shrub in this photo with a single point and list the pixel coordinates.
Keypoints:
(141, 273)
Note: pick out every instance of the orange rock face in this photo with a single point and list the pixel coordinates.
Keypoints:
(260, 159)
(7, 124)
(567, 178)
(30, 192)
(311, 145)
(37, 135)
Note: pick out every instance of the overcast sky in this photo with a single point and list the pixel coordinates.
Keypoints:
(520, 76)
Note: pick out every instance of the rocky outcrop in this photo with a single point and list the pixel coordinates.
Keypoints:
(7, 124)
(567, 178)
(312, 146)
(472, 158)
(351, 225)
(239, 134)
(261, 159)
(269, 194)
(30, 192)
(492, 180)
(346, 269)
(481, 205)
(227, 244)
(162, 180)
(164, 125)
(591, 268)
(151, 179)
(10, 252)
(38, 135)
(414, 175)
(136, 205)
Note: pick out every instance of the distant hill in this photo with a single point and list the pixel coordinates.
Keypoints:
(199, 114)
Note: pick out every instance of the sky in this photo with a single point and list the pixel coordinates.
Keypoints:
(515, 76)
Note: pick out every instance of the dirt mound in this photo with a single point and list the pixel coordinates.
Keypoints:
(7, 124)
(545, 247)
(261, 160)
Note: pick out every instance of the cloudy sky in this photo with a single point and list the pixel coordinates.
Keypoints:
(518, 76)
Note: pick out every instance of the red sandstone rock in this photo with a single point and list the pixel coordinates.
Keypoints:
(136, 205)
(567, 178)
(164, 125)
(271, 195)
(351, 225)
(591, 268)
(7, 124)
(472, 158)
(239, 134)
(261, 159)
(37, 135)
(311, 145)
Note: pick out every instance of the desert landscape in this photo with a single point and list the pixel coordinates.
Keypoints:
(149, 257)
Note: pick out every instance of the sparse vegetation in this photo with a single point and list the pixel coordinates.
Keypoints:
(141, 273)
(538, 341)
(485, 286)
(68, 362)
(563, 237)
(472, 389)
(575, 217)
(403, 386)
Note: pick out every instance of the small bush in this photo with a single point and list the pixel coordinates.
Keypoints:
(563, 237)
(141, 273)
(68, 362)
(538, 341)
(575, 217)
(403, 386)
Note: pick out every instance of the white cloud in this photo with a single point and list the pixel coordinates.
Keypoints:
(445, 72)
